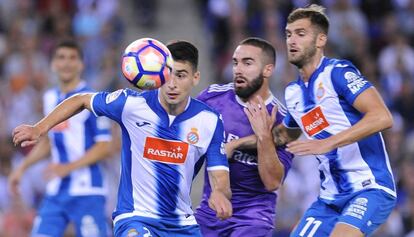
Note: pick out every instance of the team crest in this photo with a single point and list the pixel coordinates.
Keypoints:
(320, 92)
(132, 233)
(193, 137)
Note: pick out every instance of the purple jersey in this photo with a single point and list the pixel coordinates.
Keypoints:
(250, 196)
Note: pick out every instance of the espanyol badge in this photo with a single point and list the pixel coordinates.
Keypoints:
(192, 136)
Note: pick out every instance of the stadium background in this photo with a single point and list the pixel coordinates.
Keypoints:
(378, 36)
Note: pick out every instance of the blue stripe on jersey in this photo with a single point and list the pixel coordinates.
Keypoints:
(168, 180)
(125, 197)
(63, 158)
(96, 175)
(198, 165)
(370, 147)
(339, 176)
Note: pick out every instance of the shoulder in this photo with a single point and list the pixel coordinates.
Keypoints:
(203, 107)
(340, 65)
(215, 91)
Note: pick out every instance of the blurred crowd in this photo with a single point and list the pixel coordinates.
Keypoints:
(377, 38)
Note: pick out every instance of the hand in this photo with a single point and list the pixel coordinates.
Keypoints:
(219, 203)
(14, 181)
(57, 170)
(26, 135)
(230, 147)
(310, 147)
(260, 120)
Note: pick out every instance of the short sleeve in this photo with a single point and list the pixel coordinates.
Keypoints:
(348, 82)
(289, 122)
(109, 104)
(216, 156)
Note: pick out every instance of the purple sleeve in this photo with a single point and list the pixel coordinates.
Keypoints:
(285, 158)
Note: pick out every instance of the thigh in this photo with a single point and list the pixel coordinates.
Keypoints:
(88, 215)
(51, 219)
(318, 221)
(368, 210)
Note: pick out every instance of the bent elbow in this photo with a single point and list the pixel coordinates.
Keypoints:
(388, 121)
(272, 186)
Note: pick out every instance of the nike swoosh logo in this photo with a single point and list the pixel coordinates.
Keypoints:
(141, 124)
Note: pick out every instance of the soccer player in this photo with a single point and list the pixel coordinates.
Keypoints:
(342, 115)
(257, 167)
(166, 135)
(76, 191)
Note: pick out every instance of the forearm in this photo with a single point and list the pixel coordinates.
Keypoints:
(39, 152)
(220, 182)
(99, 151)
(283, 135)
(270, 168)
(368, 125)
(63, 111)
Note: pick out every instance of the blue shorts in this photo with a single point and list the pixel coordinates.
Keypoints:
(138, 226)
(87, 213)
(365, 210)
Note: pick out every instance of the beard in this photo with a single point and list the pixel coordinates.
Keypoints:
(251, 87)
(302, 59)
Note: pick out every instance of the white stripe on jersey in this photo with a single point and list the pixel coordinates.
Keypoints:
(220, 88)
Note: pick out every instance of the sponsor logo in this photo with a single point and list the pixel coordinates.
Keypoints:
(192, 136)
(357, 208)
(61, 126)
(244, 158)
(166, 151)
(355, 82)
(113, 96)
(314, 121)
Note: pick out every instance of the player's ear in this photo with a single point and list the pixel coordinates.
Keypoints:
(321, 40)
(268, 70)
(196, 78)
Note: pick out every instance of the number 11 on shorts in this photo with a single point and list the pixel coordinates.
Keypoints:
(309, 222)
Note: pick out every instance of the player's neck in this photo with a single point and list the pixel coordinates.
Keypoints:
(263, 92)
(175, 109)
(68, 86)
(307, 69)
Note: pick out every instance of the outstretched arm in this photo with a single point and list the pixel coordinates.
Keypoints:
(220, 193)
(27, 135)
(376, 118)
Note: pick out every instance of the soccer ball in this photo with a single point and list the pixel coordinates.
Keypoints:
(147, 63)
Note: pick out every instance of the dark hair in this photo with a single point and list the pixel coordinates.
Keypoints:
(184, 51)
(69, 43)
(267, 48)
(316, 15)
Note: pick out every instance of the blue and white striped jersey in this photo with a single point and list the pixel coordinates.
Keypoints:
(322, 108)
(161, 157)
(69, 142)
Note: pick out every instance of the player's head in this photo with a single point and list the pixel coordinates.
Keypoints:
(306, 34)
(67, 60)
(253, 62)
(185, 74)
